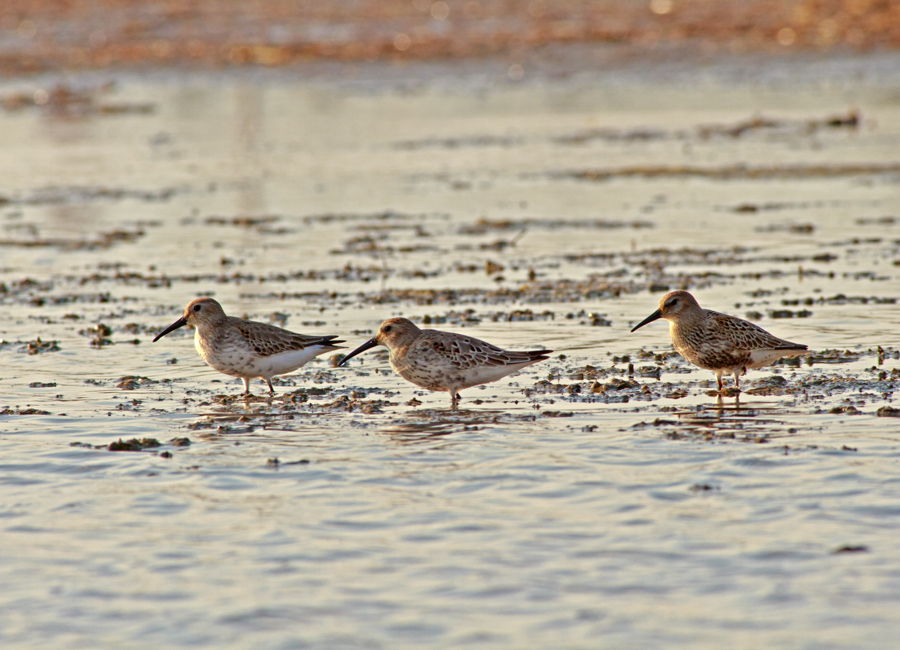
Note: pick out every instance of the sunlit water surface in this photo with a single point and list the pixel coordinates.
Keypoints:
(548, 512)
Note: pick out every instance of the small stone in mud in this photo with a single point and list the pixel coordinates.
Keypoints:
(772, 385)
(782, 313)
(851, 548)
(27, 411)
(614, 384)
(38, 346)
(273, 462)
(166, 454)
(824, 257)
(131, 382)
(134, 444)
(703, 487)
(180, 442)
(413, 402)
(40, 384)
(650, 371)
(888, 412)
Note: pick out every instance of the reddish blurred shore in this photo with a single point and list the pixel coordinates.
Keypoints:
(43, 35)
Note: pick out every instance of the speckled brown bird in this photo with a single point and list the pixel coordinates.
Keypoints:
(247, 349)
(444, 361)
(725, 344)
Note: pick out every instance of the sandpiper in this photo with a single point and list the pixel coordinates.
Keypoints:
(247, 349)
(443, 361)
(718, 342)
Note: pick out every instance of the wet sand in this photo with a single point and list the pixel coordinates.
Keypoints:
(50, 35)
(606, 496)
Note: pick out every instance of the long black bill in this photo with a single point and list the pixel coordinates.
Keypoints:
(652, 317)
(371, 343)
(181, 322)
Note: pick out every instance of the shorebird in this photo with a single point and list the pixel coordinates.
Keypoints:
(247, 349)
(725, 344)
(443, 361)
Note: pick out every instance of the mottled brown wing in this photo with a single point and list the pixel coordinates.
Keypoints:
(267, 340)
(745, 335)
(468, 352)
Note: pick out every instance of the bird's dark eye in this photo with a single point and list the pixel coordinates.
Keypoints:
(198, 307)
(387, 328)
(673, 302)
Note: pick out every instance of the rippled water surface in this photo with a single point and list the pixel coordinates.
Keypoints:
(603, 498)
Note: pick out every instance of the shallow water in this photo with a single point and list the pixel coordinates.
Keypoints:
(580, 503)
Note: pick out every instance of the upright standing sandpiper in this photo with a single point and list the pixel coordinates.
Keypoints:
(718, 342)
(247, 349)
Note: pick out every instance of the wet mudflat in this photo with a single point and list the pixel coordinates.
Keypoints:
(606, 496)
